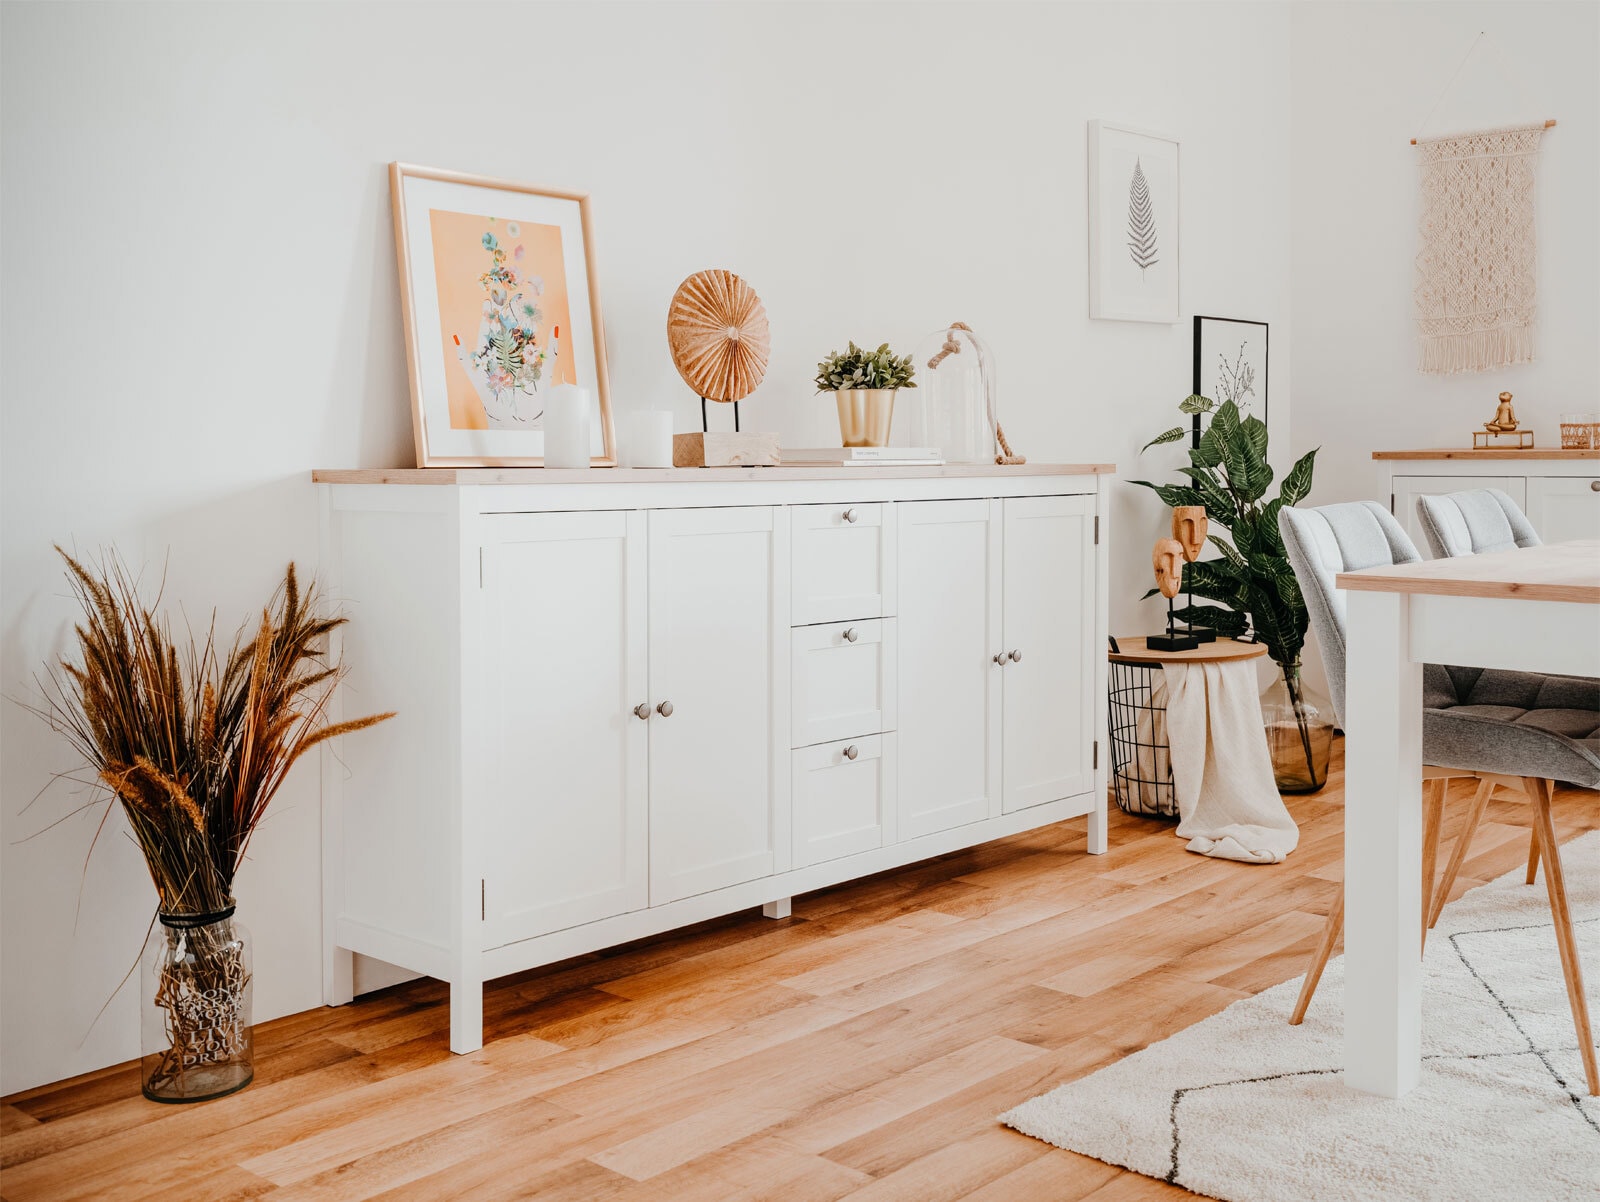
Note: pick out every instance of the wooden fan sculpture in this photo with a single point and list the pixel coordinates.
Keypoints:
(717, 331)
(1189, 528)
(1167, 559)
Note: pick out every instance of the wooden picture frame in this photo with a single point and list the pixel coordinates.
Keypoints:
(1248, 341)
(495, 318)
(1135, 224)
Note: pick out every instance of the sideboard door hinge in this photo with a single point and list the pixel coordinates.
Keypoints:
(480, 567)
(483, 901)
(1097, 529)
(1096, 762)
(1391, 504)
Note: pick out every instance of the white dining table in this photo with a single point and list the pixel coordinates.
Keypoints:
(1535, 609)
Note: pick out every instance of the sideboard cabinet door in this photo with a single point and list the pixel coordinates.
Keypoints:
(564, 645)
(1564, 508)
(719, 682)
(949, 635)
(1049, 633)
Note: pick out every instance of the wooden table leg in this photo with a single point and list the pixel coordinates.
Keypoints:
(1383, 846)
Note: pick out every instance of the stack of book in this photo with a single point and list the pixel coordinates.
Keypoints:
(860, 456)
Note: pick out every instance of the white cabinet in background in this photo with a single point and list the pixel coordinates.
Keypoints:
(950, 656)
(568, 758)
(1559, 490)
(631, 701)
(719, 687)
(1563, 508)
(1048, 637)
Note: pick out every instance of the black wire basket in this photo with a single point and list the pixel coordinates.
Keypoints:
(1141, 761)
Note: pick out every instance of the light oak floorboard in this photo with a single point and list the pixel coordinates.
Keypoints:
(859, 1049)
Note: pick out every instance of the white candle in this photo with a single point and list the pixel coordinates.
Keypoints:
(644, 439)
(566, 427)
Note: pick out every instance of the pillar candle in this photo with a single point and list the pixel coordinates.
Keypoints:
(645, 438)
(566, 427)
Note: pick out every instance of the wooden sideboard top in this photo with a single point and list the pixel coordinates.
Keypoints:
(1489, 453)
(693, 475)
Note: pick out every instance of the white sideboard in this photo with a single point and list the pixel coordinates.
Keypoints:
(1558, 490)
(632, 700)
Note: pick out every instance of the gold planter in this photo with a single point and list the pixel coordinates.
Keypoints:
(864, 416)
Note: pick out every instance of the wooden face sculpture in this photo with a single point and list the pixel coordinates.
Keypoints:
(1189, 528)
(1168, 562)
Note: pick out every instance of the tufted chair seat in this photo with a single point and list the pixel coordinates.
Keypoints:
(1517, 723)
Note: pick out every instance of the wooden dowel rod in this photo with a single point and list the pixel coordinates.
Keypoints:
(1550, 124)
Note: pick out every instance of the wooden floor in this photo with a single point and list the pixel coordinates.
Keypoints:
(859, 1049)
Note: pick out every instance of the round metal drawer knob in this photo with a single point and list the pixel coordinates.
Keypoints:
(850, 752)
(1001, 659)
(1016, 657)
(1594, 486)
(850, 635)
(665, 709)
(642, 710)
(849, 515)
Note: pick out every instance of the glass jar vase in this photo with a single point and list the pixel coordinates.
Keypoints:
(953, 407)
(196, 1034)
(1299, 738)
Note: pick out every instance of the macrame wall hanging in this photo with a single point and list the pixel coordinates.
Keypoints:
(1476, 287)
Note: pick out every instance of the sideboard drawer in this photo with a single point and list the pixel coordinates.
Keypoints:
(843, 680)
(843, 562)
(844, 798)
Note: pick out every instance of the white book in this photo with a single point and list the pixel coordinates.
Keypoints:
(862, 455)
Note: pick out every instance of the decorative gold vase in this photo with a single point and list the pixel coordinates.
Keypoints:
(864, 415)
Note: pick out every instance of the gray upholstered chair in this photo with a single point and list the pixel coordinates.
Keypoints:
(1473, 522)
(1517, 730)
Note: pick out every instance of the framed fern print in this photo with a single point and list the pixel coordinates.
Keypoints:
(1133, 224)
(497, 287)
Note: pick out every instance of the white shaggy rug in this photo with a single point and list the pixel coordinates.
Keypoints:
(1244, 1107)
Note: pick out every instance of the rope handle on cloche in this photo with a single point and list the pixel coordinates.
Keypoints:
(952, 347)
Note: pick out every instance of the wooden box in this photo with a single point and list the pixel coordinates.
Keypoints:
(725, 450)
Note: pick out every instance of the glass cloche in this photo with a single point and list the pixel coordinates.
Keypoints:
(954, 409)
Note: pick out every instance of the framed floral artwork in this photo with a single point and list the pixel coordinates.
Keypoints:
(1230, 364)
(497, 287)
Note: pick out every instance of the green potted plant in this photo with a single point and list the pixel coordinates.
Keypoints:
(863, 384)
(1252, 581)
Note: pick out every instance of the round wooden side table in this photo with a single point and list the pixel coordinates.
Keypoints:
(1136, 719)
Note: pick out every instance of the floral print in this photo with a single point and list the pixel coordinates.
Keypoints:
(508, 357)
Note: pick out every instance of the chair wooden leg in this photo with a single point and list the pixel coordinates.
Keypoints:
(1458, 854)
(1556, 885)
(1533, 854)
(1319, 958)
(1432, 819)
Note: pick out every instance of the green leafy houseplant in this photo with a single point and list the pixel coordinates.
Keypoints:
(1253, 582)
(856, 368)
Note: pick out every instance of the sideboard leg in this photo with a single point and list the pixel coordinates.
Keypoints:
(776, 909)
(466, 1016)
(1097, 828)
(339, 984)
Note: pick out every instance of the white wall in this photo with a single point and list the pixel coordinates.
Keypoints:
(199, 304)
(1362, 88)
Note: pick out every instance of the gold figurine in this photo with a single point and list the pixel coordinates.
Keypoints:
(1505, 417)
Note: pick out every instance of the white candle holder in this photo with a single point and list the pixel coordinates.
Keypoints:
(644, 438)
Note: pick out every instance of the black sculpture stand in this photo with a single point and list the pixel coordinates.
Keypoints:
(1171, 641)
(1203, 633)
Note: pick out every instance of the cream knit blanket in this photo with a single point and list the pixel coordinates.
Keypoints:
(1475, 267)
